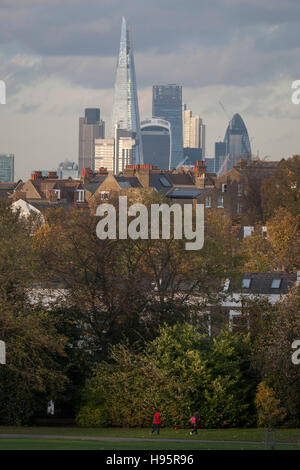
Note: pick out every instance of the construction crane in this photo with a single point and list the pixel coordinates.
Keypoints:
(225, 112)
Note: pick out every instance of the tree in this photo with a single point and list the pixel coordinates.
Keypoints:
(279, 251)
(269, 411)
(128, 288)
(181, 371)
(282, 189)
(272, 354)
(30, 376)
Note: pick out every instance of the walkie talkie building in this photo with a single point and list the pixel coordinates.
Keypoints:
(125, 108)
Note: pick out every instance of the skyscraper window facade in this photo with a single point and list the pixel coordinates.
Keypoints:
(156, 136)
(237, 142)
(125, 108)
(167, 104)
(220, 155)
(90, 128)
(193, 130)
(7, 168)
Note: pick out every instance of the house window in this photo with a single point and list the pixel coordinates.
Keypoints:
(57, 192)
(238, 320)
(240, 189)
(80, 195)
(220, 202)
(208, 202)
(246, 283)
(104, 195)
(224, 188)
(226, 285)
(276, 283)
(239, 208)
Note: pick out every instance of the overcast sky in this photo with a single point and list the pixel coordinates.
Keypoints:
(59, 57)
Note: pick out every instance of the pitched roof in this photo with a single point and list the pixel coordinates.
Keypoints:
(261, 283)
(128, 182)
(6, 189)
(181, 179)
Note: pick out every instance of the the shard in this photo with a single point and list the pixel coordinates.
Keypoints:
(125, 108)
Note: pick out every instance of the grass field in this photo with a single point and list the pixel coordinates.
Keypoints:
(56, 444)
(287, 439)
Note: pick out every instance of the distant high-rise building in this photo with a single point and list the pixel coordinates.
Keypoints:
(157, 139)
(125, 109)
(191, 156)
(237, 143)
(115, 154)
(67, 170)
(167, 104)
(104, 154)
(7, 162)
(125, 149)
(193, 130)
(220, 155)
(90, 128)
(210, 164)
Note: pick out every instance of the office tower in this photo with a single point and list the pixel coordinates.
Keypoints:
(104, 154)
(90, 128)
(156, 137)
(210, 164)
(191, 156)
(67, 170)
(7, 162)
(125, 109)
(167, 104)
(220, 155)
(125, 149)
(237, 143)
(193, 130)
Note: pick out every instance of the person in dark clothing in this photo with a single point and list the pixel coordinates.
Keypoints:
(195, 423)
(156, 422)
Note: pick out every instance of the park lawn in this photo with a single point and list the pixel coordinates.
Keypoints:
(251, 435)
(56, 444)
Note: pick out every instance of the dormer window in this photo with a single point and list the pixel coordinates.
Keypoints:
(80, 195)
(276, 283)
(246, 283)
(104, 195)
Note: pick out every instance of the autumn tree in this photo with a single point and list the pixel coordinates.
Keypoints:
(282, 189)
(272, 354)
(31, 375)
(280, 250)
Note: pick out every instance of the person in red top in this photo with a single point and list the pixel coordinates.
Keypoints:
(156, 422)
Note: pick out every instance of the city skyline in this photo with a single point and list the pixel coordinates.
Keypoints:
(57, 63)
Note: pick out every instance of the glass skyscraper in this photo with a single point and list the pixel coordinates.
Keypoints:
(237, 142)
(125, 108)
(7, 168)
(167, 104)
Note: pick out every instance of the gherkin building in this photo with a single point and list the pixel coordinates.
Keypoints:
(237, 143)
